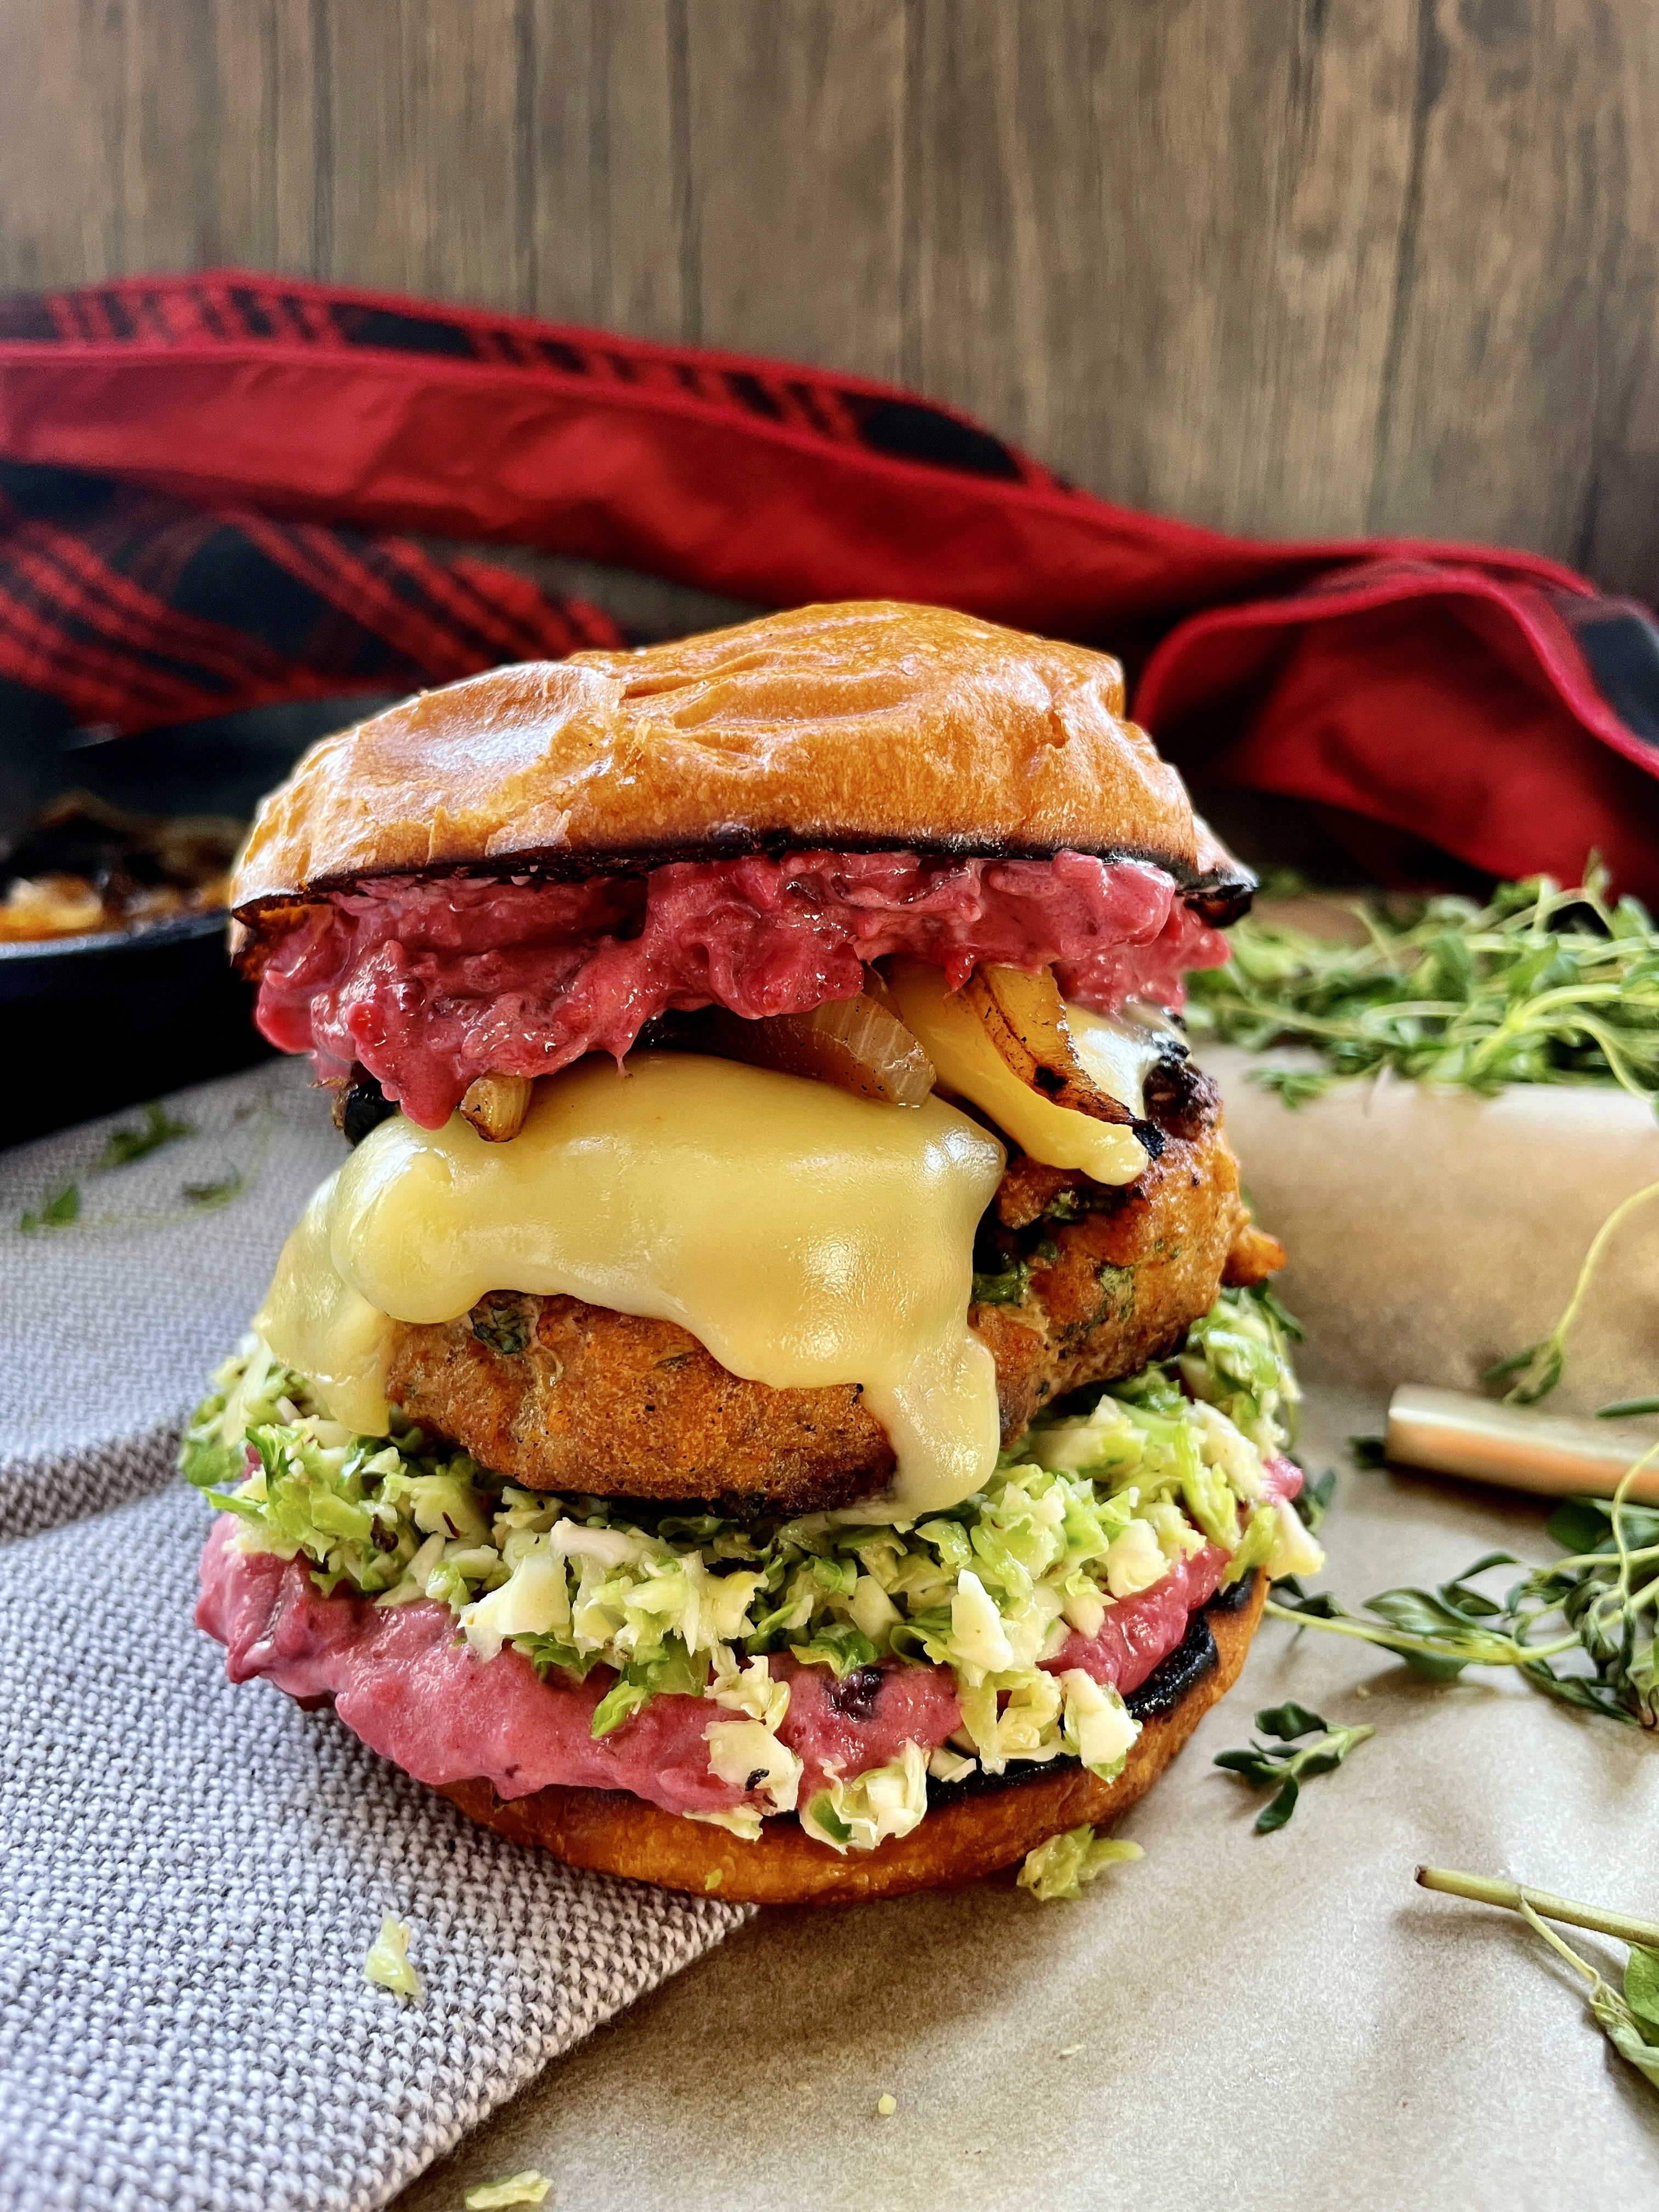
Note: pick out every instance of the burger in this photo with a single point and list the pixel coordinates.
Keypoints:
(781, 1397)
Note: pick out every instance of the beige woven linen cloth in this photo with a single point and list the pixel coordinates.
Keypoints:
(190, 1875)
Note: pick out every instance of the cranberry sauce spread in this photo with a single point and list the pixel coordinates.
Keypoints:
(429, 983)
(402, 1679)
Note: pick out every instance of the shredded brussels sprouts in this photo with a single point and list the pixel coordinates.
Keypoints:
(1060, 1867)
(1088, 1510)
(388, 1965)
(882, 1801)
(529, 2187)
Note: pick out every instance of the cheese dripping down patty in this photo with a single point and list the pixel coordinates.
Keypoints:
(806, 1238)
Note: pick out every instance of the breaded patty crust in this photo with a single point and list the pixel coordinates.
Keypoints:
(1080, 1283)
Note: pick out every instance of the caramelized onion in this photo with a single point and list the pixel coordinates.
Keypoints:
(858, 1044)
(1024, 1018)
(497, 1105)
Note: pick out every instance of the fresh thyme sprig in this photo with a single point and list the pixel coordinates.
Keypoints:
(1541, 985)
(1284, 1764)
(1599, 1604)
(1631, 2020)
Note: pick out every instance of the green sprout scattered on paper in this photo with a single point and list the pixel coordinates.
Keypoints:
(1598, 1605)
(1538, 1368)
(1286, 1764)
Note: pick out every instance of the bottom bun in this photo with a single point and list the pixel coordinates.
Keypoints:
(959, 1842)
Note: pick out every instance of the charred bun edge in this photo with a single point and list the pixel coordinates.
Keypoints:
(968, 1832)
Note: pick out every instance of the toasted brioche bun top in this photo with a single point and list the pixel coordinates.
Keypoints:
(869, 724)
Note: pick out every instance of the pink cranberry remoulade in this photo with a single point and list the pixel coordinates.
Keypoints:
(430, 981)
(533, 864)
(404, 1681)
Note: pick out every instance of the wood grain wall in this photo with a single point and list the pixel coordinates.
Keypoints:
(1282, 265)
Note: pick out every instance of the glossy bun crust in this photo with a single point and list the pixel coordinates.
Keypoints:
(615, 1833)
(869, 724)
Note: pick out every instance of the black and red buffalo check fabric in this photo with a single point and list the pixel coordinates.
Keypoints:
(228, 490)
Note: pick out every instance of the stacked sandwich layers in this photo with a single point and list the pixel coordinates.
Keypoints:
(680, 1460)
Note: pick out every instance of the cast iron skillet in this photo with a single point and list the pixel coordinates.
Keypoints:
(92, 1024)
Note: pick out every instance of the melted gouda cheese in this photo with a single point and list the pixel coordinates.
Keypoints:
(1116, 1054)
(807, 1237)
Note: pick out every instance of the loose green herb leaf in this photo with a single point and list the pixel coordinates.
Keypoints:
(56, 1212)
(1541, 985)
(1295, 1086)
(1642, 1989)
(1313, 1501)
(1613, 2016)
(205, 1196)
(1288, 1721)
(1624, 1409)
(1369, 1451)
(125, 1145)
(1267, 1765)
(1540, 1367)
(1599, 1604)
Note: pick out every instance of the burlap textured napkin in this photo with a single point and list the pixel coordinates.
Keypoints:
(190, 1875)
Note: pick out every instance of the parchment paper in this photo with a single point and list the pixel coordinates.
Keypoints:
(1433, 1232)
(1280, 2021)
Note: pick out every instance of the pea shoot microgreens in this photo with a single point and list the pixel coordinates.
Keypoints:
(1630, 2019)
(1541, 985)
(1598, 1605)
(1290, 1762)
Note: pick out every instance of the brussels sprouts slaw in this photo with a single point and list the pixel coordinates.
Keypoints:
(1087, 1510)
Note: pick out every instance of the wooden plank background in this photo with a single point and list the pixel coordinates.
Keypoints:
(1282, 265)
